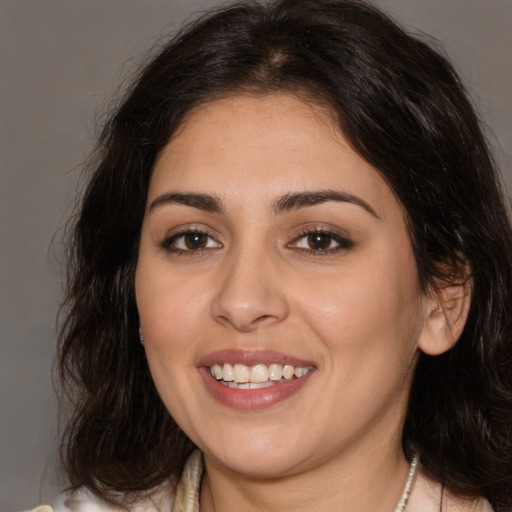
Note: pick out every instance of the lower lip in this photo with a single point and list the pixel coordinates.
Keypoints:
(252, 398)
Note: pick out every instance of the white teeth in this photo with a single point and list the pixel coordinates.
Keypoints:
(300, 372)
(251, 377)
(247, 385)
(217, 371)
(275, 372)
(258, 373)
(254, 385)
(241, 373)
(227, 373)
(288, 371)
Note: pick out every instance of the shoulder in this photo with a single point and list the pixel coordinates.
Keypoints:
(84, 501)
(182, 495)
(428, 495)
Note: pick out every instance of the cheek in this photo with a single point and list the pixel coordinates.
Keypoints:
(169, 313)
(368, 329)
(170, 308)
(369, 314)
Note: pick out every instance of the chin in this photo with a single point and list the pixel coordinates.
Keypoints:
(256, 456)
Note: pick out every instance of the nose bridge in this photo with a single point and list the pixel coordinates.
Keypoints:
(248, 292)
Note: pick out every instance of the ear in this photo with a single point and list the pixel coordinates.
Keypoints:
(446, 315)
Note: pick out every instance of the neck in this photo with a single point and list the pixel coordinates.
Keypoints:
(358, 481)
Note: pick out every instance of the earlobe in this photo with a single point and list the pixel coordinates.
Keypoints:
(446, 315)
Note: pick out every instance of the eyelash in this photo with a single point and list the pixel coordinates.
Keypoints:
(342, 242)
(167, 243)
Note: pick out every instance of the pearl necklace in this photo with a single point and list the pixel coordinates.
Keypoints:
(188, 489)
(407, 489)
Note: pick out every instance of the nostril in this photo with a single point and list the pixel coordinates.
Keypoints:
(246, 322)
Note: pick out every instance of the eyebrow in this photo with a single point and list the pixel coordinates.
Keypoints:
(205, 202)
(286, 203)
(297, 200)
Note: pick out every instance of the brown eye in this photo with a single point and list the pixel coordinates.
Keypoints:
(194, 241)
(190, 242)
(319, 241)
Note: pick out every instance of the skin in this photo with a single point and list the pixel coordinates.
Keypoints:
(354, 310)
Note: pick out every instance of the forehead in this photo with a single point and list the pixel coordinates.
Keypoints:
(264, 145)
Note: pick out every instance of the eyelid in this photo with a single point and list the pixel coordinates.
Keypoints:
(343, 241)
(182, 231)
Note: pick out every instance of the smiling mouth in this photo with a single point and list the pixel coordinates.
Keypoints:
(240, 376)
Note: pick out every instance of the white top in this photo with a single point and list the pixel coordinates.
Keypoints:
(426, 495)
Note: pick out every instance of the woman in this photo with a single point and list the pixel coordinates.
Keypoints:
(289, 278)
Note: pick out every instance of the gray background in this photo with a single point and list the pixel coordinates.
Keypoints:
(60, 63)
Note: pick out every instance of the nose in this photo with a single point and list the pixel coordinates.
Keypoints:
(250, 293)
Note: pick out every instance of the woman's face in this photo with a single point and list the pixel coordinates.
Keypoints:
(270, 248)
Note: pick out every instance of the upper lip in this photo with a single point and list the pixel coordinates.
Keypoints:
(251, 358)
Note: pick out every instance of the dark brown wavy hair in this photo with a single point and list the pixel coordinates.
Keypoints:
(403, 108)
